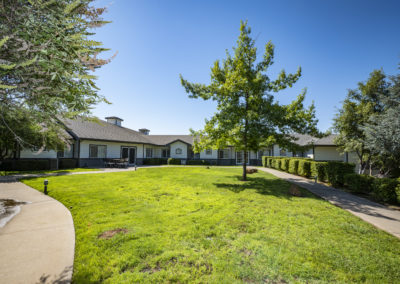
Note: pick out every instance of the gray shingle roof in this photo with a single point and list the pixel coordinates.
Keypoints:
(326, 141)
(167, 139)
(103, 130)
(303, 139)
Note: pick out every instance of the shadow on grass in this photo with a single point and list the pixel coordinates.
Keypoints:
(264, 186)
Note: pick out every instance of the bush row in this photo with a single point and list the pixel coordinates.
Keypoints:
(197, 162)
(331, 171)
(173, 161)
(382, 189)
(155, 161)
(25, 165)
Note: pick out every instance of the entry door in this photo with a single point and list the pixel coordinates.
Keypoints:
(132, 155)
(240, 158)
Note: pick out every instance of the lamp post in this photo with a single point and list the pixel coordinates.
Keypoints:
(46, 182)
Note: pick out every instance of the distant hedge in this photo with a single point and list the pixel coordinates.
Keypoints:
(197, 162)
(66, 163)
(155, 161)
(25, 165)
(172, 161)
(331, 171)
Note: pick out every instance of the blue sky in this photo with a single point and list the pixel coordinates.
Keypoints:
(337, 44)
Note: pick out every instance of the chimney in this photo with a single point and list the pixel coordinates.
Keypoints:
(144, 131)
(114, 120)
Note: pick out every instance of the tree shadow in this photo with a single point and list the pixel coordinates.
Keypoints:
(63, 278)
(264, 186)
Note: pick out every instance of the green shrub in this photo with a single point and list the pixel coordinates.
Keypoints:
(359, 183)
(319, 170)
(197, 162)
(155, 161)
(277, 164)
(25, 165)
(67, 163)
(173, 161)
(285, 164)
(398, 191)
(264, 161)
(384, 189)
(304, 168)
(336, 172)
(293, 166)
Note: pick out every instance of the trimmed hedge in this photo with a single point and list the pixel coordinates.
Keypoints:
(66, 163)
(172, 161)
(331, 171)
(336, 172)
(293, 166)
(25, 165)
(197, 162)
(285, 164)
(304, 168)
(359, 183)
(319, 170)
(384, 189)
(155, 161)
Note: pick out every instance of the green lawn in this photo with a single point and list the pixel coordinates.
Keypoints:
(206, 226)
(8, 173)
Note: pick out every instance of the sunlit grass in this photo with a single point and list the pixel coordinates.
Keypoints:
(206, 226)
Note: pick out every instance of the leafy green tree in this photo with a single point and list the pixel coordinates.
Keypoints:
(382, 132)
(247, 116)
(46, 64)
(358, 107)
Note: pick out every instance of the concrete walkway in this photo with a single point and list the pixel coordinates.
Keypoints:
(378, 215)
(37, 245)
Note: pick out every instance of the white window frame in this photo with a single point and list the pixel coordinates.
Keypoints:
(178, 151)
(149, 150)
(98, 151)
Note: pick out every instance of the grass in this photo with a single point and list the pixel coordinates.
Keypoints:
(63, 171)
(206, 226)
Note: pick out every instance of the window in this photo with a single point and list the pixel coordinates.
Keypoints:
(60, 154)
(97, 151)
(260, 154)
(165, 153)
(208, 151)
(282, 152)
(149, 152)
(223, 154)
(178, 151)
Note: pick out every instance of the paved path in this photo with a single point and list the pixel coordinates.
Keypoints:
(378, 215)
(37, 245)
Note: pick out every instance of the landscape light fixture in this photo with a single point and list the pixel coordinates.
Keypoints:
(45, 182)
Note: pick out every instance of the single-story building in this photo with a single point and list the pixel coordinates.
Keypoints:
(93, 142)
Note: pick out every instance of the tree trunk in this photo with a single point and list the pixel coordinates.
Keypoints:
(244, 176)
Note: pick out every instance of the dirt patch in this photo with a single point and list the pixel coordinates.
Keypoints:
(251, 171)
(148, 269)
(294, 190)
(111, 233)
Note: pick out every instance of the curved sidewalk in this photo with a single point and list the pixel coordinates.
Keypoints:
(376, 214)
(37, 245)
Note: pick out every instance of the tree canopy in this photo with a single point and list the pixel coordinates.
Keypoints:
(46, 62)
(247, 116)
(357, 109)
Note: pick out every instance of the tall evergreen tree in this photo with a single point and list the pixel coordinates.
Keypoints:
(382, 132)
(358, 107)
(247, 115)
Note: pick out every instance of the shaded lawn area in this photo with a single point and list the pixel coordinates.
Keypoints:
(63, 171)
(206, 226)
